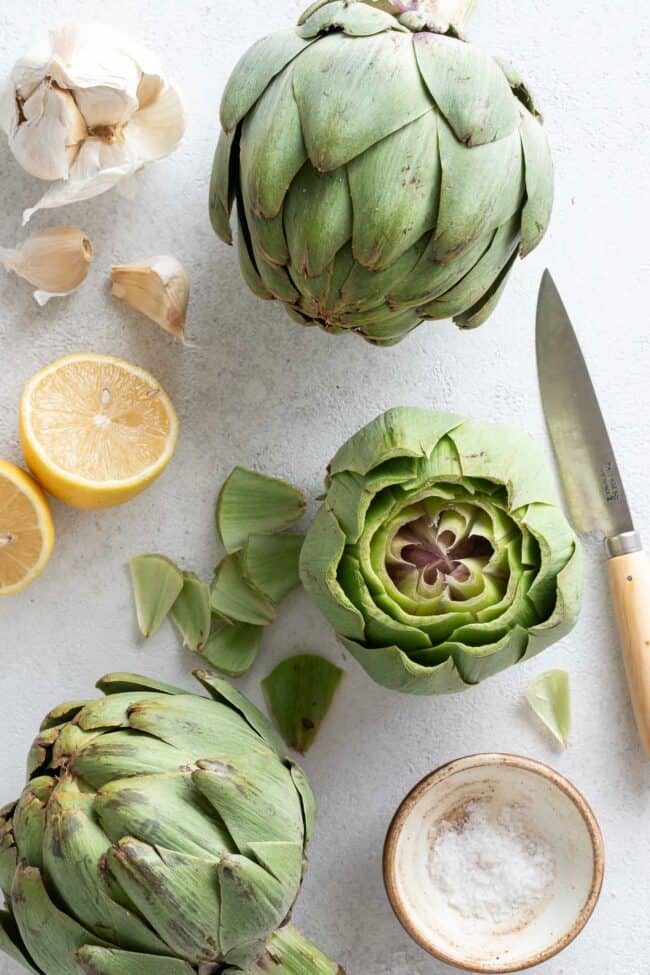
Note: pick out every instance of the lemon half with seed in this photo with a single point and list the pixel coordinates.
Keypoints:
(95, 430)
(26, 529)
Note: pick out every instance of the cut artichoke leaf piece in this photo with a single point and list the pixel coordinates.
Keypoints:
(394, 193)
(51, 938)
(374, 88)
(157, 583)
(11, 942)
(234, 598)
(177, 894)
(110, 961)
(191, 613)
(270, 563)
(255, 71)
(299, 693)
(550, 698)
(481, 112)
(255, 504)
(355, 20)
(233, 648)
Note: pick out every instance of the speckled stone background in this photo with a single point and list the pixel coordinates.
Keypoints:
(258, 390)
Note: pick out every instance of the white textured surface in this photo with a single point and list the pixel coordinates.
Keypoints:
(256, 389)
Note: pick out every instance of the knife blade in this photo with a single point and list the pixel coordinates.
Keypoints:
(593, 487)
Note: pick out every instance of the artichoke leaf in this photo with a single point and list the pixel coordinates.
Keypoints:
(267, 904)
(234, 598)
(120, 683)
(299, 693)
(150, 807)
(307, 799)
(255, 72)
(270, 563)
(222, 190)
(50, 936)
(538, 170)
(482, 189)
(468, 87)
(177, 894)
(8, 864)
(400, 432)
(392, 668)
(288, 952)
(62, 714)
(350, 495)
(519, 87)
(315, 240)
(429, 279)
(223, 692)
(247, 264)
(557, 544)
(110, 961)
(475, 664)
(550, 698)
(28, 823)
(11, 942)
(191, 613)
(373, 88)
(319, 560)
(124, 753)
(566, 610)
(255, 504)
(268, 241)
(482, 310)
(355, 20)
(395, 192)
(233, 648)
(282, 860)
(272, 150)
(105, 713)
(367, 288)
(157, 583)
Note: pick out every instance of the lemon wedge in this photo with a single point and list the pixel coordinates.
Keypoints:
(95, 430)
(26, 529)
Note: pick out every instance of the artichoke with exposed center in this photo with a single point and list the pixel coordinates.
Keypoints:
(384, 171)
(440, 554)
(159, 833)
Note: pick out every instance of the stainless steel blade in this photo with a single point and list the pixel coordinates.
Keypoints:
(588, 468)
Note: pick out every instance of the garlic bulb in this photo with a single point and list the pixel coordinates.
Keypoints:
(88, 109)
(158, 287)
(55, 261)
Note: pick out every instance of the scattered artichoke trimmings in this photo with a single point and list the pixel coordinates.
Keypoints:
(259, 572)
(56, 261)
(550, 698)
(441, 554)
(299, 693)
(87, 108)
(158, 287)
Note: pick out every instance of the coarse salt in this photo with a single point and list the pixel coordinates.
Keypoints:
(490, 865)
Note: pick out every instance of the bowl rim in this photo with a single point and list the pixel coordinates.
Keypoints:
(486, 760)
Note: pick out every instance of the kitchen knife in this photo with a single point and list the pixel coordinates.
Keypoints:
(593, 487)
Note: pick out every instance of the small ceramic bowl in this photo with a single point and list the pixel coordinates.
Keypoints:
(556, 813)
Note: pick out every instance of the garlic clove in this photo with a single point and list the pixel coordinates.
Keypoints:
(156, 130)
(56, 261)
(47, 139)
(97, 168)
(158, 287)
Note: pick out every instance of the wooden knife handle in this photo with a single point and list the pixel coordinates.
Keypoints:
(629, 580)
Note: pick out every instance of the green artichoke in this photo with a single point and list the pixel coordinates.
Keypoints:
(159, 833)
(440, 555)
(385, 171)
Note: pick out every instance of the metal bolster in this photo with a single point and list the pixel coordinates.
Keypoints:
(624, 544)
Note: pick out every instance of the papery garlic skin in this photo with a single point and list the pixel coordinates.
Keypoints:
(88, 108)
(158, 287)
(55, 260)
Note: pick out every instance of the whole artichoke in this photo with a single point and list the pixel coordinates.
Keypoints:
(385, 171)
(440, 555)
(159, 833)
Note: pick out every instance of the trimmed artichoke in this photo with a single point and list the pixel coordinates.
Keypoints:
(440, 555)
(385, 171)
(159, 833)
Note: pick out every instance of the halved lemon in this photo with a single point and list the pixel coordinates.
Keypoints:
(26, 529)
(95, 430)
